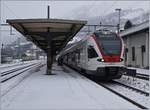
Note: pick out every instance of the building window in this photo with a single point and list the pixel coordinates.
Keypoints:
(78, 56)
(126, 51)
(143, 48)
(133, 53)
(91, 52)
(142, 55)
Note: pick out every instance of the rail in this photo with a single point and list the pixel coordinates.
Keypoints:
(7, 75)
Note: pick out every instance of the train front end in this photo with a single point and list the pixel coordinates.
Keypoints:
(111, 50)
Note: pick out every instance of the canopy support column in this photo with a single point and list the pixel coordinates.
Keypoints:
(49, 56)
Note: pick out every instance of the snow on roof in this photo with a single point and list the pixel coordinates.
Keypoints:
(25, 43)
(134, 29)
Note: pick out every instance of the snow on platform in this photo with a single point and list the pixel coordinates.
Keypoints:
(9, 84)
(65, 89)
(141, 71)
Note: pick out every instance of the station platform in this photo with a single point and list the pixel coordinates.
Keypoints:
(65, 89)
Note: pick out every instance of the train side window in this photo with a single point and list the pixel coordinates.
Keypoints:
(91, 52)
(78, 55)
(133, 53)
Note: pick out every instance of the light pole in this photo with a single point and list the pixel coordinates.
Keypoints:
(48, 12)
(118, 25)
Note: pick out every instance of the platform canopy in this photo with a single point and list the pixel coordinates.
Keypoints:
(41, 31)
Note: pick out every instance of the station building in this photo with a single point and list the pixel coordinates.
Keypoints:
(136, 39)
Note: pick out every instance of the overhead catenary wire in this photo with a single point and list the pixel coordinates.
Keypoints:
(108, 9)
(14, 14)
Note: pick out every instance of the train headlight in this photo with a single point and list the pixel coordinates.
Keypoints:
(121, 59)
(100, 60)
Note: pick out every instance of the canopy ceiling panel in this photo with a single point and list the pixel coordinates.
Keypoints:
(45, 25)
(39, 31)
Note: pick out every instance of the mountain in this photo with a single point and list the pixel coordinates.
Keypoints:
(136, 16)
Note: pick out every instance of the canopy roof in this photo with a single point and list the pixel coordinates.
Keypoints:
(40, 30)
(135, 29)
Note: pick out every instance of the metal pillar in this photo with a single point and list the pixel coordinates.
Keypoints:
(48, 11)
(119, 13)
(49, 56)
(49, 48)
(49, 60)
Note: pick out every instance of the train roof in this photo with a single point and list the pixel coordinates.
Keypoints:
(70, 47)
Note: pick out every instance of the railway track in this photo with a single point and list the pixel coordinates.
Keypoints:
(18, 76)
(132, 88)
(13, 65)
(3, 67)
(111, 87)
(14, 70)
(7, 75)
(142, 76)
(123, 96)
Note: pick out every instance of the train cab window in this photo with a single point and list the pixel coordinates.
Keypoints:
(109, 42)
(91, 52)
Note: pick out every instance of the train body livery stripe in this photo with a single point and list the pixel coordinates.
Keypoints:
(122, 48)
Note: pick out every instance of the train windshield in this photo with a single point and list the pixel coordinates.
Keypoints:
(109, 43)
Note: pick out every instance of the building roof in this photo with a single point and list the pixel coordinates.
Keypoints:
(40, 30)
(135, 29)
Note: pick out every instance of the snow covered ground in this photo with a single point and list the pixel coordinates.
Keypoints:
(4, 69)
(9, 84)
(3, 66)
(65, 89)
(137, 97)
(135, 82)
(10, 65)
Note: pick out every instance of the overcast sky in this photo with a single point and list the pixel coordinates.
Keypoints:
(63, 9)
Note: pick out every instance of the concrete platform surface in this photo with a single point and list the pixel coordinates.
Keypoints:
(65, 89)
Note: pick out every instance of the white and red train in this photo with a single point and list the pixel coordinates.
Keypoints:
(99, 54)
